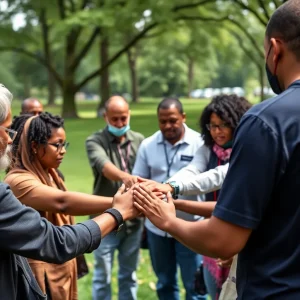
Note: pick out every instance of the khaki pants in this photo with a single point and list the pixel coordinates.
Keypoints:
(229, 286)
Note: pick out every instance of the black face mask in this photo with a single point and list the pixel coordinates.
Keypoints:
(273, 79)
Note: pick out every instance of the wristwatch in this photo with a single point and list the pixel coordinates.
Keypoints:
(118, 217)
(175, 186)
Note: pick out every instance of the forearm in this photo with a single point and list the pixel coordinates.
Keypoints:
(203, 183)
(80, 204)
(111, 172)
(204, 209)
(106, 222)
(198, 236)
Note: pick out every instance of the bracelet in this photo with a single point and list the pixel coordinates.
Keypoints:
(118, 217)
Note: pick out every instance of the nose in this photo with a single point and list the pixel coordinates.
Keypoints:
(63, 150)
(9, 140)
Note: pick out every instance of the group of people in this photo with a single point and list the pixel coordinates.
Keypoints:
(168, 184)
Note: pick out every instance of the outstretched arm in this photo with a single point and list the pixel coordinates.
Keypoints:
(203, 209)
(212, 237)
(41, 197)
(24, 232)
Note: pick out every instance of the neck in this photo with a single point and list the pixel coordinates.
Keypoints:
(121, 138)
(291, 75)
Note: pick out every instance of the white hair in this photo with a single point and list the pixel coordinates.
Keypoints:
(5, 102)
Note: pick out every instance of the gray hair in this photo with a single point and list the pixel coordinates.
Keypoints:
(5, 102)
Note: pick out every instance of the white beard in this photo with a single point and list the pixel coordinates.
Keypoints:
(5, 158)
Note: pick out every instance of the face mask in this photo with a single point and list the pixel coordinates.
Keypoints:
(273, 79)
(118, 131)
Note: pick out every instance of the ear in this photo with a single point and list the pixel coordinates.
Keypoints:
(183, 117)
(277, 49)
(34, 147)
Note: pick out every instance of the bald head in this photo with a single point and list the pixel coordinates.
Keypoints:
(116, 102)
(31, 106)
(117, 111)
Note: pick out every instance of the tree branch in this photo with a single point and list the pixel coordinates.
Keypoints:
(255, 13)
(61, 9)
(192, 5)
(85, 49)
(84, 3)
(276, 3)
(262, 5)
(247, 52)
(116, 56)
(37, 58)
(198, 18)
(72, 5)
(249, 36)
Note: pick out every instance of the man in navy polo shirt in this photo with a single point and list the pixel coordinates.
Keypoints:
(258, 211)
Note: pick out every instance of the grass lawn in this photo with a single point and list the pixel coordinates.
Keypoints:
(79, 177)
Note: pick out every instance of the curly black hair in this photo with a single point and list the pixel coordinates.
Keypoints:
(229, 108)
(39, 131)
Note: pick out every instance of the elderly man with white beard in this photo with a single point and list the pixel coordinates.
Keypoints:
(23, 233)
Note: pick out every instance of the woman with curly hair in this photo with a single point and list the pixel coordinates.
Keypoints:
(38, 150)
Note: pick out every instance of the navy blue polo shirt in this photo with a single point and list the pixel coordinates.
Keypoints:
(262, 192)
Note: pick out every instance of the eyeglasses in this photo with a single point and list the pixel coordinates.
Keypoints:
(213, 127)
(59, 146)
(12, 133)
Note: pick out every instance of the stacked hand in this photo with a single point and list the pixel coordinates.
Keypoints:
(123, 202)
(151, 205)
(155, 186)
(129, 180)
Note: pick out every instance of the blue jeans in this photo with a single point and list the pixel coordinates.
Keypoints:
(166, 254)
(210, 284)
(128, 246)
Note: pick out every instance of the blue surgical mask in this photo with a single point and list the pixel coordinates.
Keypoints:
(118, 131)
(273, 79)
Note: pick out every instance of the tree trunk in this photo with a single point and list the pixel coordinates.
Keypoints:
(104, 76)
(69, 109)
(190, 76)
(132, 58)
(262, 83)
(51, 89)
(26, 86)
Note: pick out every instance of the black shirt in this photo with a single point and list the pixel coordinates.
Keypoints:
(262, 192)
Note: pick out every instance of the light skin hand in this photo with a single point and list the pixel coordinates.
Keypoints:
(123, 202)
(129, 180)
(155, 186)
(157, 211)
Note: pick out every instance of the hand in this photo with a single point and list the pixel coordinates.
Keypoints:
(157, 211)
(224, 263)
(123, 202)
(129, 180)
(156, 186)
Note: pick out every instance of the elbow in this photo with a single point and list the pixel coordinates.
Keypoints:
(62, 206)
(224, 250)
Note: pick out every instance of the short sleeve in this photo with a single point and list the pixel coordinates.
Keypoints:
(141, 166)
(96, 154)
(256, 165)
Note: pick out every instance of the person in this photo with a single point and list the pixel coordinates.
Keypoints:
(35, 107)
(159, 157)
(38, 150)
(24, 233)
(218, 123)
(112, 152)
(258, 215)
(31, 106)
